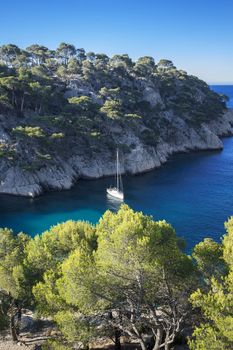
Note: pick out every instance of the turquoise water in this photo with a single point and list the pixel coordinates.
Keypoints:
(194, 192)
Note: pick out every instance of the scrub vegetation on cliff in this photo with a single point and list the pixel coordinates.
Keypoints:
(35, 79)
(127, 277)
(59, 105)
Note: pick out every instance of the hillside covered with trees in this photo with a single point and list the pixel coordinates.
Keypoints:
(65, 112)
(126, 278)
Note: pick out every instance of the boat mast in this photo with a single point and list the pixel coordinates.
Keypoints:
(117, 170)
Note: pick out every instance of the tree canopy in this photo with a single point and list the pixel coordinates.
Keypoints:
(215, 331)
(126, 275)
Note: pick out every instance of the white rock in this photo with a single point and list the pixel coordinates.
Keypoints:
(140, 158)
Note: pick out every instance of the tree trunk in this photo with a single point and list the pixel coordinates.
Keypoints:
(117, 339)
(158, 339)
(22, 103)
(143, 345)
(12, 323)
(19, 317)
(13, 98)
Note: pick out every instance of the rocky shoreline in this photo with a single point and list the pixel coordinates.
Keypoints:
(141, 158)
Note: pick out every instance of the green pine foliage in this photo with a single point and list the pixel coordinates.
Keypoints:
(34, 82)
(215, 331)
(127, 275)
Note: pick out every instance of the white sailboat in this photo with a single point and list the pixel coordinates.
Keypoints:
(117, 192)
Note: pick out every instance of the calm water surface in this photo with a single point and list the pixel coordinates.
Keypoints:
(194, 192)
(226, 90)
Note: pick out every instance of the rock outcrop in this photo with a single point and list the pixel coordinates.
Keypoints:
(63, 173)
(63, 116)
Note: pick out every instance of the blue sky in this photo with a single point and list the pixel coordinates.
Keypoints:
(197, 35)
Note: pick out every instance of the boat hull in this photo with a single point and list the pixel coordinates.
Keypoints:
(114, 192)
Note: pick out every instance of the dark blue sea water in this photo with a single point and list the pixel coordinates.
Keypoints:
(194, 192)
(226, 90)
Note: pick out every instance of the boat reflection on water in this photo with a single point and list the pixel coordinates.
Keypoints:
(113, 203)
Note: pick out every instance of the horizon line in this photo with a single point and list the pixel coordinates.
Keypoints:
(220, 83)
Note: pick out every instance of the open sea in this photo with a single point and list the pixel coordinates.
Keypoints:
(193, 192)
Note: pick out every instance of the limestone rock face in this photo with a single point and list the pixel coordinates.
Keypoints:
(138, 158)
(152, 96)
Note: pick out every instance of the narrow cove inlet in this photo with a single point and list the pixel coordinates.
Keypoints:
(193, 192)
(116, 175)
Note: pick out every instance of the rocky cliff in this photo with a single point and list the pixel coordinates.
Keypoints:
(63, 173)
(63, 115)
